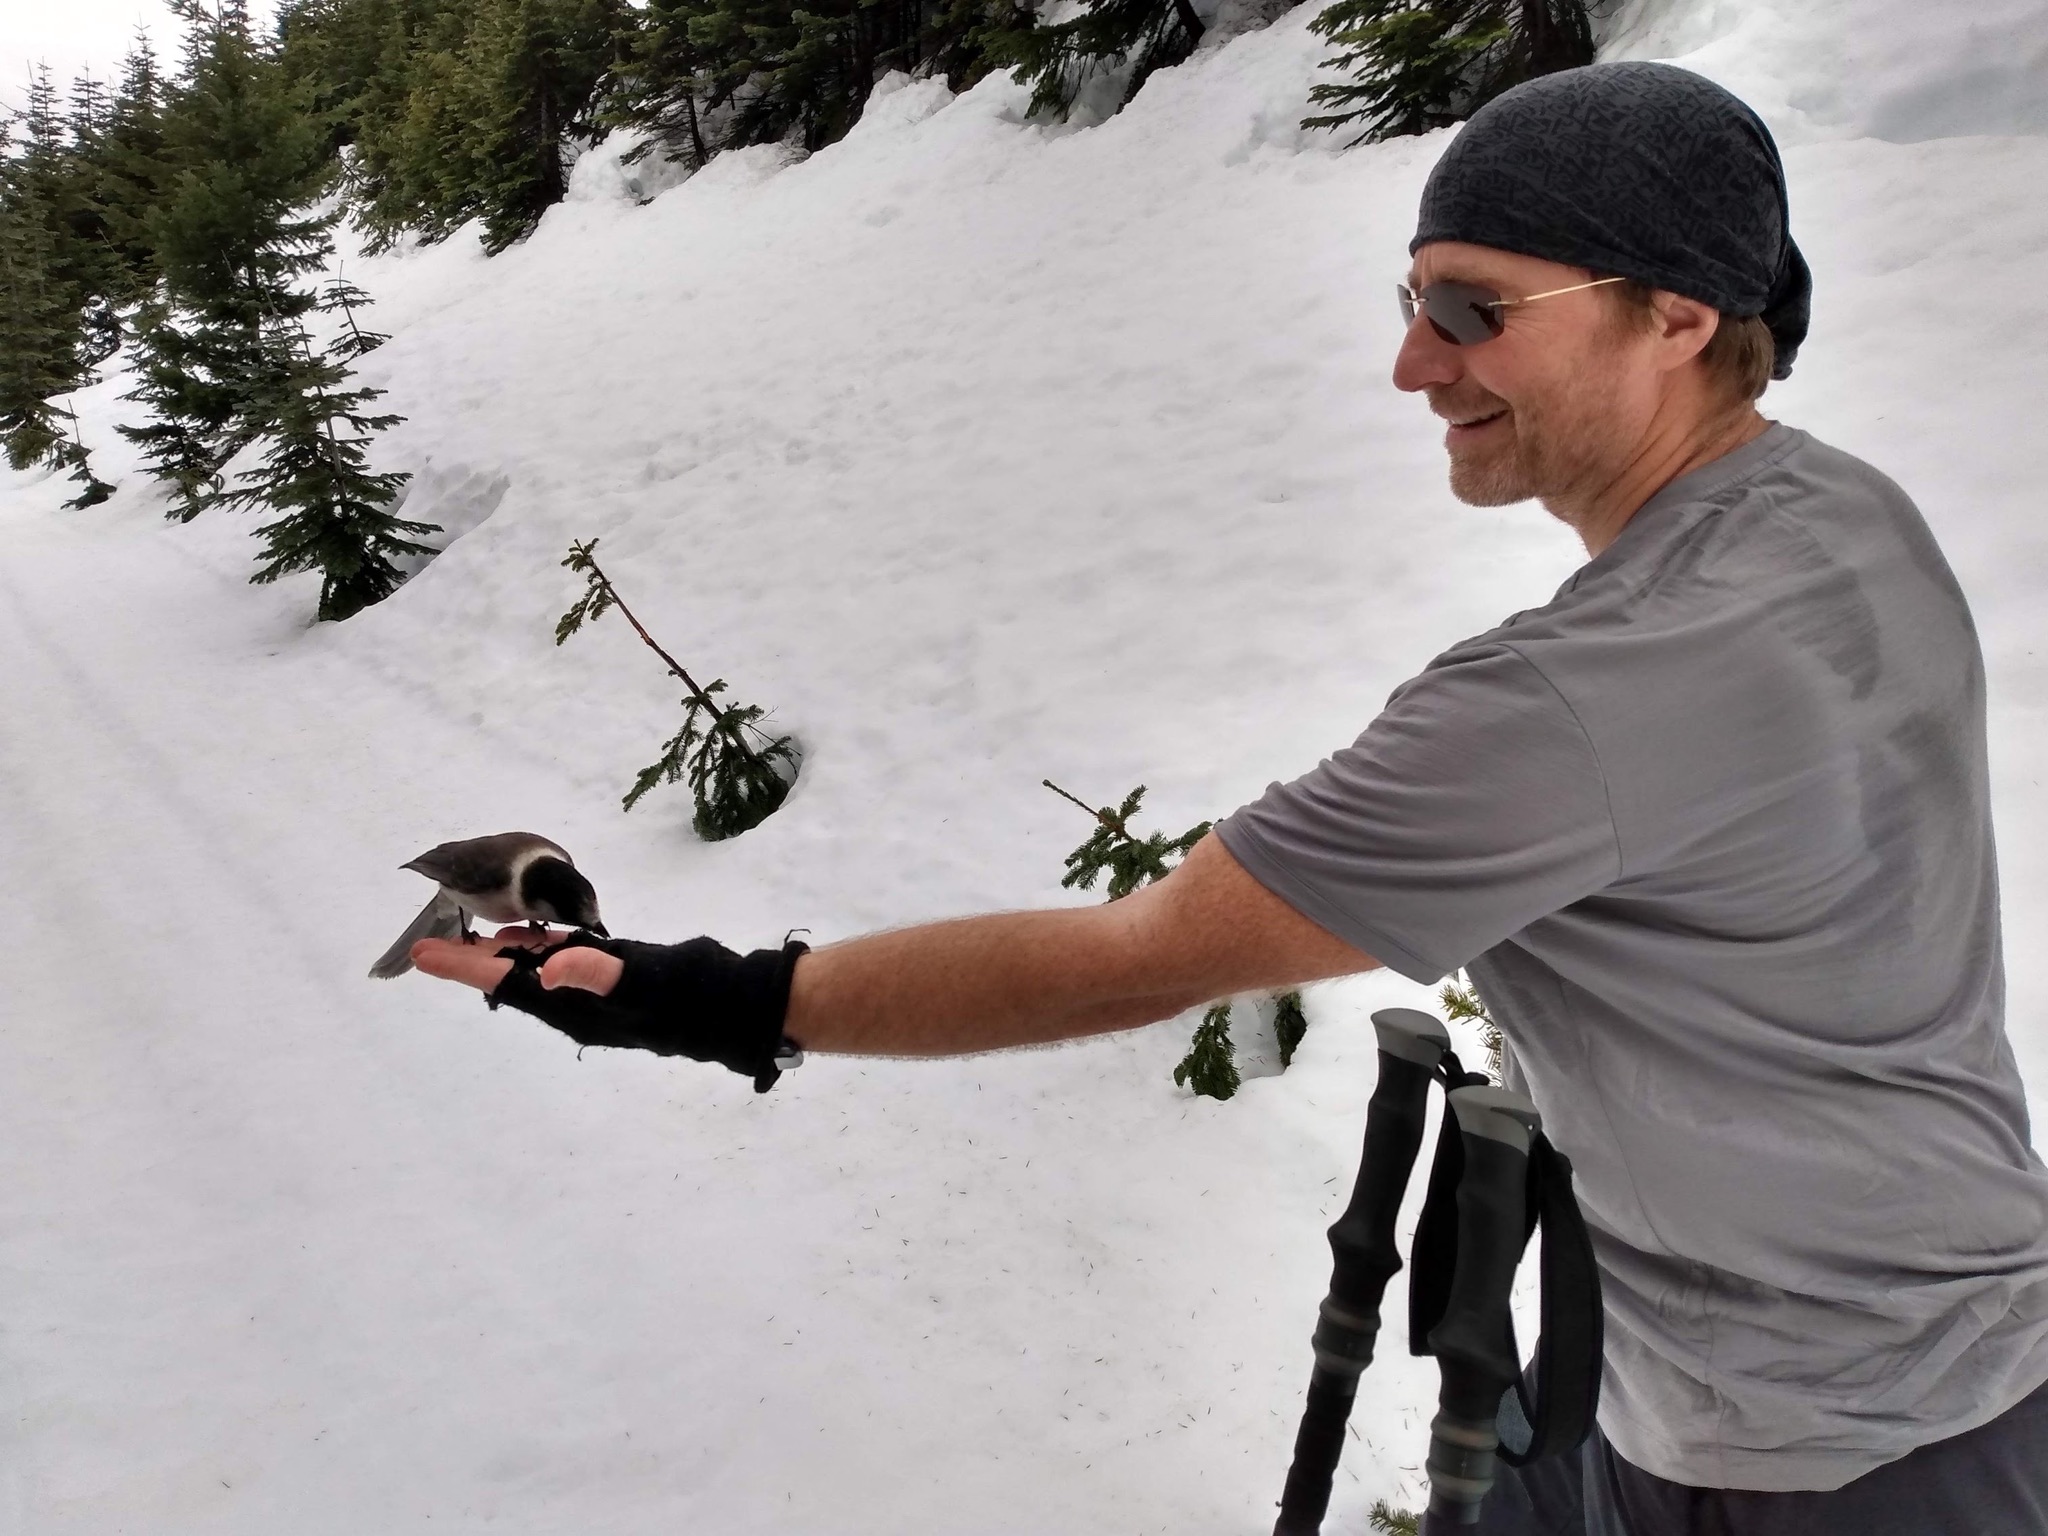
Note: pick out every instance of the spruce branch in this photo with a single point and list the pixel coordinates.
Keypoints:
(1461, 1000)
(1385, 1518)
(1130, 861)
(1407, 66)
(736, 784)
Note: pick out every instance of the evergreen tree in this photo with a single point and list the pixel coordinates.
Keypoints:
(238, 227)
(774, 72)
(127, 173)
(1059, 59)
(223, 355)
(42, 341)
(96, 270)
(233, 234)
(526, 87)
(339, 54)
(454, 110)
(1414, 65)
(360, 64)
(54, 326)
(669, 84)
(196, 381)
(336, 513)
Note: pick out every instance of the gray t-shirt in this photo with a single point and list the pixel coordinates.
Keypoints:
(1712, 831)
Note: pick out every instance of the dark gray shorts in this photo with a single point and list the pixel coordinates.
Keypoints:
(1991, 1481)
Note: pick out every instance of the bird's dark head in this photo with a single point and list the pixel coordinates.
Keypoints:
(553, 890)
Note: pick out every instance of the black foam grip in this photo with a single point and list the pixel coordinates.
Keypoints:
(1475, 1338)
(1318, 1445)
(1364, 1256)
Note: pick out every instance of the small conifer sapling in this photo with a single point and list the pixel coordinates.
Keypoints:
(95, 490)
(1131, 861)
(738, 774)
(1290, 1023)
(1210, 1066)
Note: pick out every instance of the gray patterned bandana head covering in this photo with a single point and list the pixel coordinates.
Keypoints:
(1633, 170)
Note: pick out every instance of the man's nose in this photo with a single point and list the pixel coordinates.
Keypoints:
(1426, 359)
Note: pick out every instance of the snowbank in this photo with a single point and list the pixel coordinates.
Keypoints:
(983, 452)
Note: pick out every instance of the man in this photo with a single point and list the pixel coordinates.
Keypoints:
(1711, 830)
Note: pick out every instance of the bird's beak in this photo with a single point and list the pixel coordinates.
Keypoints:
(598, 929)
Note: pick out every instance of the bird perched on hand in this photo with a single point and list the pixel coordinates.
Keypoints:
(508, 877)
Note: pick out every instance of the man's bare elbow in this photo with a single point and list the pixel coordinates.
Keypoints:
(1214, 925)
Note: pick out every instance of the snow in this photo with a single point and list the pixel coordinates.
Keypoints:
(982, 452)
(1857, 68)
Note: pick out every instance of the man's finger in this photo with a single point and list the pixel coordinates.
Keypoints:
(525, 935)
(474, 965)
(591, 969)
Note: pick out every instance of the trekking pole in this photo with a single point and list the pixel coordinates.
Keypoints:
(1474, 1342)
(1412, 1047)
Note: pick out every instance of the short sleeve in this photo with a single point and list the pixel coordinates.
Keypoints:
(1473, 806)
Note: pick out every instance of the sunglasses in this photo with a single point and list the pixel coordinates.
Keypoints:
(1465, 314)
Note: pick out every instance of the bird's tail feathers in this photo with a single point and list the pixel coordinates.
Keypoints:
(440, 918)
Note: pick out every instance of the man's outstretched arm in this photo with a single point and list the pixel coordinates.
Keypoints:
(1026, 978)
(1019, 978)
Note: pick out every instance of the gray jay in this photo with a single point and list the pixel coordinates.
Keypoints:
(508, 877)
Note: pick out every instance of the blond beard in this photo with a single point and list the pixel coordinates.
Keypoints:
(1555, 443)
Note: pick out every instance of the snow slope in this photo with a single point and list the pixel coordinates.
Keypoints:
(982, 452)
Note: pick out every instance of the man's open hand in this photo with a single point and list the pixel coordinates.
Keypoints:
(695, 999)
(478, 964)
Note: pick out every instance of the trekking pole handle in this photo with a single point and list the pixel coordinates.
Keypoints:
(1365, 1256)
(1474, 1343)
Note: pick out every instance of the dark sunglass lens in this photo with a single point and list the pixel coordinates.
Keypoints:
(1464, 314)
(1407, 299)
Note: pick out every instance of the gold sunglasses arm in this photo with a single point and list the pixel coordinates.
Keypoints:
(1598, 282)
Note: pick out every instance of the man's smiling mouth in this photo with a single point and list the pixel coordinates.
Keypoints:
(1474, 423)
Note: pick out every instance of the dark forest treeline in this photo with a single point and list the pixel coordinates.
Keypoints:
(185, 209)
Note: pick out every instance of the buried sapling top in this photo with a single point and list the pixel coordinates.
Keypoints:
(736, 783)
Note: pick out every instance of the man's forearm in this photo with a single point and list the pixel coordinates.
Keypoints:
(1027, 978)
(982, 984)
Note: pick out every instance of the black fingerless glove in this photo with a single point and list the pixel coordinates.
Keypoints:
(697, 999)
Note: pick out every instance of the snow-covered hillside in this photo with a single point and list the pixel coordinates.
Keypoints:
(983, 452)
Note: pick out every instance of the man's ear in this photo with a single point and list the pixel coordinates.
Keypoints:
(1683, 328)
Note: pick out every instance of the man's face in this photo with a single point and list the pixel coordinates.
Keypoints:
(1555, 406)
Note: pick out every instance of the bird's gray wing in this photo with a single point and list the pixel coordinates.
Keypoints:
(440, 918)
(479, 863)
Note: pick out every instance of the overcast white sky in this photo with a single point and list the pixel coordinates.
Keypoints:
(71, 35)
